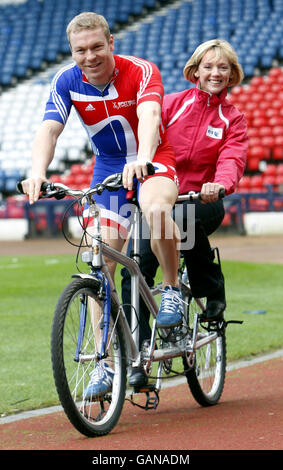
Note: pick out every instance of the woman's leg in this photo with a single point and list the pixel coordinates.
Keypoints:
(205, 276)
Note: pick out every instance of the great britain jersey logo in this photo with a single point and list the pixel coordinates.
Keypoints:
(124, 104)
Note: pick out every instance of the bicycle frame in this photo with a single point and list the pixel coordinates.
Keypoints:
(100, 271)
(138, 287)
(138, 283)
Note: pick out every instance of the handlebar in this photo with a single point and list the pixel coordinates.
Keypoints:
(192, 196)
(111, 183)
(60, 190)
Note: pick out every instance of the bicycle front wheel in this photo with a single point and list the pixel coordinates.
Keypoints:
(75, 346)
(207, 376)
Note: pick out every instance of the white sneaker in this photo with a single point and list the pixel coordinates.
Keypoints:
(101, 381)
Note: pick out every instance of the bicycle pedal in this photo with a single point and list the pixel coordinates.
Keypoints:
(100, 399)
(151, 401)
(144, 388)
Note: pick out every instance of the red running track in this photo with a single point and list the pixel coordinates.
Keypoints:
(249, 416)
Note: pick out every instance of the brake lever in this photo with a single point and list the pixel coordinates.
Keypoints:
(115, 183)
(20, 187)
(44, 188)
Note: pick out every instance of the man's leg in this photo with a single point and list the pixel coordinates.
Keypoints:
(102, 376)
(148, 266)
(157, 198)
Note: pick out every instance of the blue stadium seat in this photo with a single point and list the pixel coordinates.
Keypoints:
(33, 32)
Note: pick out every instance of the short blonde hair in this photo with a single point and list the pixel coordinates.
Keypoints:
(220, 46)
(88, 20)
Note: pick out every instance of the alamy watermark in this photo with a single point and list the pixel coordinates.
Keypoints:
(121, 217)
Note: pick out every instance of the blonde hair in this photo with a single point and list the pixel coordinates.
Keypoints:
(221, 47)
(88, 20)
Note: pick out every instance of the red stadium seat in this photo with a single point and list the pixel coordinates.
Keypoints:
(250, 106)
(275, 72)
(277, 130)
(264, 105)
(277, 152)
(260, 122)
(256, 97)
(272, 112)
(256, 182)
(76, 169)
(276, 104)
(269, 179)
(56, 178)
(276, 87)
(254, 142)
(253, 163)
(253, 132)
(271, 170)
(270, 96)
(275, 121)
(265, 131)
(279, 139)
(237, 90)
(245, 183)
(268, 141)
(82, 180)
(259, 113)
(279, 180)
(69, 180)
(256, 81)
(257, 151)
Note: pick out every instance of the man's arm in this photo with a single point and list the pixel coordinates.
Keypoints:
(42, 155)
(149, 115)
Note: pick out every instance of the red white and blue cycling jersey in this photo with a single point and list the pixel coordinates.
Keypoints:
(110, 120)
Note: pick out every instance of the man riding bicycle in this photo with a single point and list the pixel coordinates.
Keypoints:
(118, 100)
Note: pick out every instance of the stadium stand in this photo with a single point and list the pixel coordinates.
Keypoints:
(34, 45)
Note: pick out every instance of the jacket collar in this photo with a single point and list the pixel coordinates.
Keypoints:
(212, 99)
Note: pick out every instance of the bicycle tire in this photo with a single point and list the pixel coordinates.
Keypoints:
(207, 376)
(91, 418)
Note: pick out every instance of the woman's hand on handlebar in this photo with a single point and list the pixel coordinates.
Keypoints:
(32, 187)
(210, 192)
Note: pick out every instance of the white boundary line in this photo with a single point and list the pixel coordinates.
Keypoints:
(167, 384)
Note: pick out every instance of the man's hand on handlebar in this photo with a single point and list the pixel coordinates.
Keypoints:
(32, 187)
(139, 169)
(210, 192)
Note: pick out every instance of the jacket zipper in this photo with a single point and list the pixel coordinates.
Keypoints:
(110, 122)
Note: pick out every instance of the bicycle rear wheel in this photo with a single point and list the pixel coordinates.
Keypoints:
(75, 344)
(207, 376)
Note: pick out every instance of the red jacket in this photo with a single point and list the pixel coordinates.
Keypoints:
(209, 137)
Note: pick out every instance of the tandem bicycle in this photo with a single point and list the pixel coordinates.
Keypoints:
(81, 338)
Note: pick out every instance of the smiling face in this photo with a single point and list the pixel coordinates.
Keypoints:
(93, 54)
(214, 72)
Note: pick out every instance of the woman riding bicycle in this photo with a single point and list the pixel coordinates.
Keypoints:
(209, 137)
